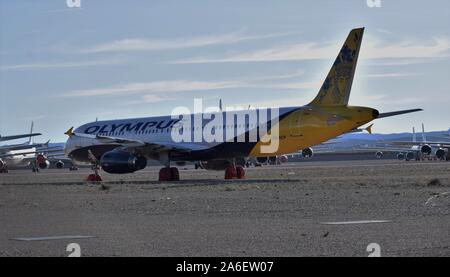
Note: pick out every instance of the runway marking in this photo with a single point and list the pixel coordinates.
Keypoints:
(355, 222)
(53, 238)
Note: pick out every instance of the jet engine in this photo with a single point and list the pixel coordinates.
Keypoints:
(440, 154)
(119, 162)
(401, 156)
(283, 159)
(215, 164)
(59, 164)
(425, 149)
(42, 162)
(410, 156)
(379, 155)
(307, 152)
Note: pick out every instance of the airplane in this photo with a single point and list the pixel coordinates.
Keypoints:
(427, 149)
(125, 145)
(403, 153)
(25, 154)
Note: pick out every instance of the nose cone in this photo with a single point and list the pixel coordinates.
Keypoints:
(68, 147)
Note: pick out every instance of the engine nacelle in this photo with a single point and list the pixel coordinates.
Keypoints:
(283, 159)
(42, 162)
(120, 162)
(215, 164)
(440, 154)
(307, 152)
(261, 160)
(401, 156)
(59, 164)
(2, 164)
(426, 149)
(379, 155)
(410, 156)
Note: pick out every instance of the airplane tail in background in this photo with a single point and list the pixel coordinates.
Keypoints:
(335, 90)
(414, 135)
(424, 138)
(30, 139)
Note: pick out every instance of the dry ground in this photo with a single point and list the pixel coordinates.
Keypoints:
(276, 211)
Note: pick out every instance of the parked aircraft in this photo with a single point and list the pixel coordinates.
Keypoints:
(26, 154)
(123, 146)
(428, 149)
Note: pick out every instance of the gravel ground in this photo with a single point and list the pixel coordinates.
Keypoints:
(276, 211)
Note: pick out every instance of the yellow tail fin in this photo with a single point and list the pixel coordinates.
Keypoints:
(335, 90)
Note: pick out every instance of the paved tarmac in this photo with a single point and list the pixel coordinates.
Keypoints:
(298, 209)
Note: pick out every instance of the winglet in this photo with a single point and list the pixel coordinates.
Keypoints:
(69, 132)
(369, 128)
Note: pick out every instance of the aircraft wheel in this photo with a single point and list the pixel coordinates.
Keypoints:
(165, 174)
(230, 172)
(175, 175)
(94, 178)
(240, 172)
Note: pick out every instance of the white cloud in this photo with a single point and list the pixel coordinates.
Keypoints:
(167, 86)
(371, 49)
(390, 75)
(153, 87)
(140, 44)
(157, 91)
(59, 65)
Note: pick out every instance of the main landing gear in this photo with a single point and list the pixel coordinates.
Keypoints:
(167, 173)
(34, 167)
(233, 172)
(94, 177)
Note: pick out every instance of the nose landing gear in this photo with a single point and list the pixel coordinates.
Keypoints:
(233, 172)
(94, 177)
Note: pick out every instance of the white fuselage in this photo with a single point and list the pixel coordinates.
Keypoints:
(19, 159)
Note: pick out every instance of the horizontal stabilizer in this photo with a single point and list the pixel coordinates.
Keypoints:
(18, 136)
(381, 115)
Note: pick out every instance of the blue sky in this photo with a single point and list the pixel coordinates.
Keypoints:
(63, 67)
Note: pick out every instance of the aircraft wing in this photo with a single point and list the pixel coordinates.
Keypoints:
(28, 153)
(358, 150)
(385, 149)
(432, 143)
(147, 147)
(22, 146)
(6, 138)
